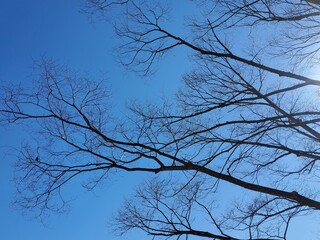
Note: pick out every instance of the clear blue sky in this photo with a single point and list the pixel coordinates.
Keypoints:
(56, 29)
(30, 29)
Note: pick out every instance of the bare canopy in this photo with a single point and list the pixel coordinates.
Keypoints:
(244, 123)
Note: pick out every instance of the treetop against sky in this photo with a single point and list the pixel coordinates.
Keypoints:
(209, 107)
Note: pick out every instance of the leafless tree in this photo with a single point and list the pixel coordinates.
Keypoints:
(243, 124)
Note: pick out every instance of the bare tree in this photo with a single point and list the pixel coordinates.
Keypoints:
(240, 124)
